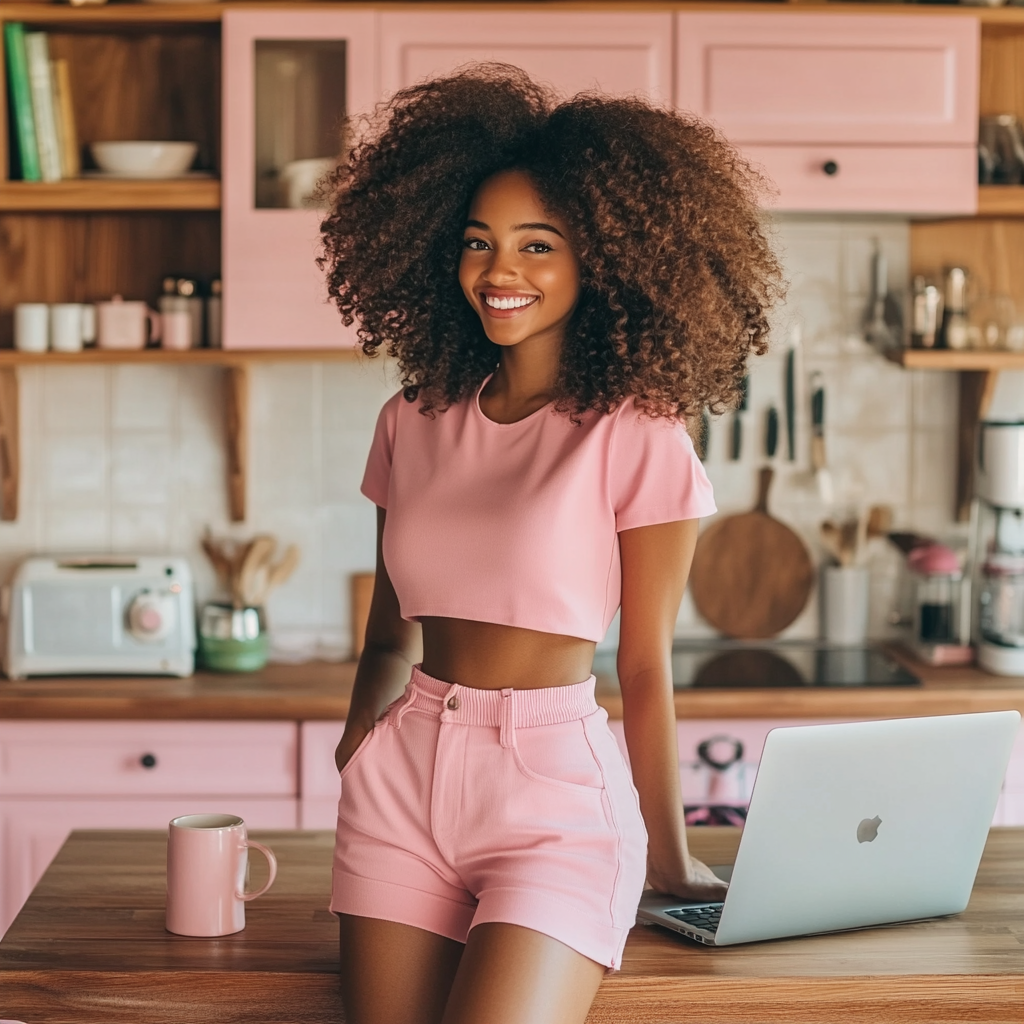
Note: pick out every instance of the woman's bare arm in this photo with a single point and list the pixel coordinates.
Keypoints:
(655, 565)
(392, 646)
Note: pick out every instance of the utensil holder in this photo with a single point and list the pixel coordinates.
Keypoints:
(844, 604)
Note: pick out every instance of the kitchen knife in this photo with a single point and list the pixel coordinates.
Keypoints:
(771, 432)
(737, 422)
(791, 404)
(818, 461)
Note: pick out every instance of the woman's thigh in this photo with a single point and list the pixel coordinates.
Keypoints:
(514, 975)
(394, 973)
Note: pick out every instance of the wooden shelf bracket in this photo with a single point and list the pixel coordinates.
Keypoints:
(10, 453)
(976, 390)
(236, 431)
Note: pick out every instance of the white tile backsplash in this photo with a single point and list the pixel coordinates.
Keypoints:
(132, 457)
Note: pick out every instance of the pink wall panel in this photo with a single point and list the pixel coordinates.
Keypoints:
(274, 294)
(105, 758)
(822, 77)
(608, 50)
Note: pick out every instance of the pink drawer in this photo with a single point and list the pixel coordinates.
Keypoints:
(148, 758)
(319, 774)
(875, 179)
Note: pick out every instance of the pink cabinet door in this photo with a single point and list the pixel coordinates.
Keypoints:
(307, 68)
(823, 77)
(32, 830)
(613, 51)
(319, 784)
(148, 758)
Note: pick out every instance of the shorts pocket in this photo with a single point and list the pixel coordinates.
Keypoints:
(361, 749)
(559, 755)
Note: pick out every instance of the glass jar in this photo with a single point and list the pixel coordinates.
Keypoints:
(938, 581)
(1001, 600)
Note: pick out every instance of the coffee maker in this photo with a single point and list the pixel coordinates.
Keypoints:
(999, 547)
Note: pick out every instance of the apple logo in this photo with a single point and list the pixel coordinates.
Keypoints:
(867, 830)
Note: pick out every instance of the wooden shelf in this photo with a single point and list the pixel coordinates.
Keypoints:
(166, 357)
(111, 14)
(82, 194)
(1001, 200)
(962, 361)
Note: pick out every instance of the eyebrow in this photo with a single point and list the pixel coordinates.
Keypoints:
(532, 226)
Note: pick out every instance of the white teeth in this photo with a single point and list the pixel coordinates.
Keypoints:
(510, 303)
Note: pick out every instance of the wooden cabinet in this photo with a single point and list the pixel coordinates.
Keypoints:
(615, 51)
(844, 111)
(289, 78)
(58, 776)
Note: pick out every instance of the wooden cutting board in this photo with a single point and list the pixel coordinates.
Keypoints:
(751, 574)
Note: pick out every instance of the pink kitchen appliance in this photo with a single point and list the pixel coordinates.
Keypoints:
(107, 614)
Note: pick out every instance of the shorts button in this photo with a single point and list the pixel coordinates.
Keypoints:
(453, 703)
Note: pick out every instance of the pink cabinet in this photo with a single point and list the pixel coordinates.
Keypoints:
(844, 111)
(320, 785)
(57, 776)
(615, 51)
(289, 79)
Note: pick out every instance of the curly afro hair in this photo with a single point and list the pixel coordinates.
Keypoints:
(677, 275)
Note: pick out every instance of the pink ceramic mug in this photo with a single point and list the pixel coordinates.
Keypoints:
(122, 325)
(207, 858)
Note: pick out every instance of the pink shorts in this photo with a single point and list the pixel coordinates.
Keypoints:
(464, 806)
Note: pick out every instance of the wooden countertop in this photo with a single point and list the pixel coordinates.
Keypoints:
(320, 691)
(90, 947)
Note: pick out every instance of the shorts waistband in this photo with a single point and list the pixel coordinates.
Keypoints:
(522, 709)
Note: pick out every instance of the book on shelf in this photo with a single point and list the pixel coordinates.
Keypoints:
(23, 122)
(43, 133)
(41, 85)
(64, 111)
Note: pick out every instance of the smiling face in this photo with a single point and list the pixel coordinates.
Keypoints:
(517, 269)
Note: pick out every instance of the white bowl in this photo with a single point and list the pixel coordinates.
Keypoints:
(144, 159)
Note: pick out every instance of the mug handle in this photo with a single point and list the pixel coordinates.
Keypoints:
(271, 863)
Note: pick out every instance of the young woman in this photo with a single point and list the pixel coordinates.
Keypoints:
(561, 285)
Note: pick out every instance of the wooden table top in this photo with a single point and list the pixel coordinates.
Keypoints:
(320, 691)
(90, 947)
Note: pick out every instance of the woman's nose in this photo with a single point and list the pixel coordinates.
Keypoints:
(502, 266)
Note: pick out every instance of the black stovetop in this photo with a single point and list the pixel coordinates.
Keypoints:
(724, 664)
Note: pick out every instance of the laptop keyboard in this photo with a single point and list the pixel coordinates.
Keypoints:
(706, 918)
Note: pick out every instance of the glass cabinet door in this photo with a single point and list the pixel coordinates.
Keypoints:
(292, 80)
(300, 118)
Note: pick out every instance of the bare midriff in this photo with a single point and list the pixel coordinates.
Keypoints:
(489, 656)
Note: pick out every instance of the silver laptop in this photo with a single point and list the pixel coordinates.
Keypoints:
(856, 825)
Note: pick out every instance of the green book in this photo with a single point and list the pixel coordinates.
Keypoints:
(21, 101)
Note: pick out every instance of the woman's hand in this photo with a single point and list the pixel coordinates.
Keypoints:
(694, 881)
(348, 744)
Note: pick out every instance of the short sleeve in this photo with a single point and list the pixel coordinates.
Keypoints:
(377, 475)
(655, 475)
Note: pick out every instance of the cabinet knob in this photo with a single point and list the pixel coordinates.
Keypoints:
(148, 760)
(830, 167)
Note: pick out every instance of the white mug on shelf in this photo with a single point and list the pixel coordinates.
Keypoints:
(72, 324)
(31, 327)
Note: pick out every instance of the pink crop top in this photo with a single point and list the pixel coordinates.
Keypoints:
(517, 523)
